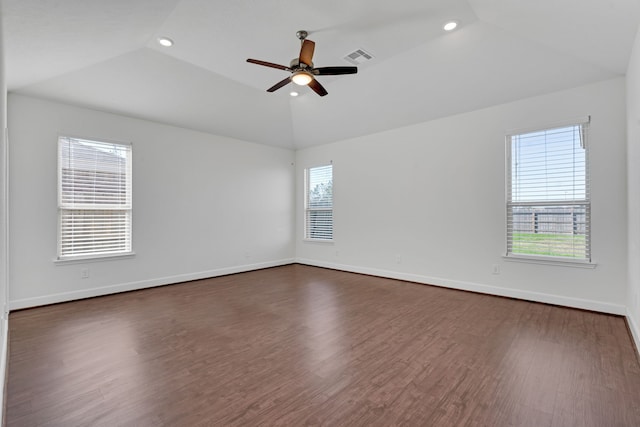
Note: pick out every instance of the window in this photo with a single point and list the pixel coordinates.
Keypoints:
(94, 198)
(319, 203)
(548, 204)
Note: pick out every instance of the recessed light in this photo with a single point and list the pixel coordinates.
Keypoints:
(450, 26)
(165, 41)
(294, 94)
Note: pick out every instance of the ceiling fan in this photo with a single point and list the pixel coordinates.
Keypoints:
(302, 69)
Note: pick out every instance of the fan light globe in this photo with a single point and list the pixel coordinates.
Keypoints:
(302, 78)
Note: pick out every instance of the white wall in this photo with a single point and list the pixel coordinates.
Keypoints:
(633, 162)
(4, 223)
(427, 202)
(203, 205)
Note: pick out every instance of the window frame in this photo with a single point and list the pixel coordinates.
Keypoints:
(509, 255)
(308, 209)
(62, 208)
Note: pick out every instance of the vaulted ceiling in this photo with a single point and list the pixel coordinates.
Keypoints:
(104, 55)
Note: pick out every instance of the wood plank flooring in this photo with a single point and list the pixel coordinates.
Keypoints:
(302, 346)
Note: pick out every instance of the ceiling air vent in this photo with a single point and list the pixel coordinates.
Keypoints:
(359, 56)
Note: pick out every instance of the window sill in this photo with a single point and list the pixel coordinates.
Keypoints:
(317, 240)
(550, 261)
(92, 258)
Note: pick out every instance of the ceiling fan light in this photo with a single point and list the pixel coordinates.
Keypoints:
(301, 78)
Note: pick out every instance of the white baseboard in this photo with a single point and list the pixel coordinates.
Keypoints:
(4, 360)
(132, 286)
(476, 287)
(435, 281)
(635, 331)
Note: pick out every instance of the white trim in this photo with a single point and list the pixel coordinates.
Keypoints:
(553, 125)
(580, 303)
(4, 215)
(4, 280)
(142, 284)
(91, 258)
(309, 240)
(4, 360)
(93, 138)
(635, 331)
(532, 259)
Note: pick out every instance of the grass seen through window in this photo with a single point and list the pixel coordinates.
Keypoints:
(565, 245)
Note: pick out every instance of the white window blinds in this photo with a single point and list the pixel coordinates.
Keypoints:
(94, 198)
(548, 202)
(319, 203)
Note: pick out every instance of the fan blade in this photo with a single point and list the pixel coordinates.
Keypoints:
(334, 71)
(278, 85)
(268, 64)
(306, 52)
(317, 87)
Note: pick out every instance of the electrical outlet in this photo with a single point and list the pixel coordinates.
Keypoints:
(337, 254)
(495, 269)
(398, 259)
(84, 273)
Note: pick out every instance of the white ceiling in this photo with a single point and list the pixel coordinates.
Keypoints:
(104, 55)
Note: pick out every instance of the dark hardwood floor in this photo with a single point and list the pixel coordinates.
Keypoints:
(298, 345)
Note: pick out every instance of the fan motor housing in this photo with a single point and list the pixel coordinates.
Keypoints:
(295, 64)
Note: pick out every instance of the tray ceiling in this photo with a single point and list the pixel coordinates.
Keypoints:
(104, 55)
